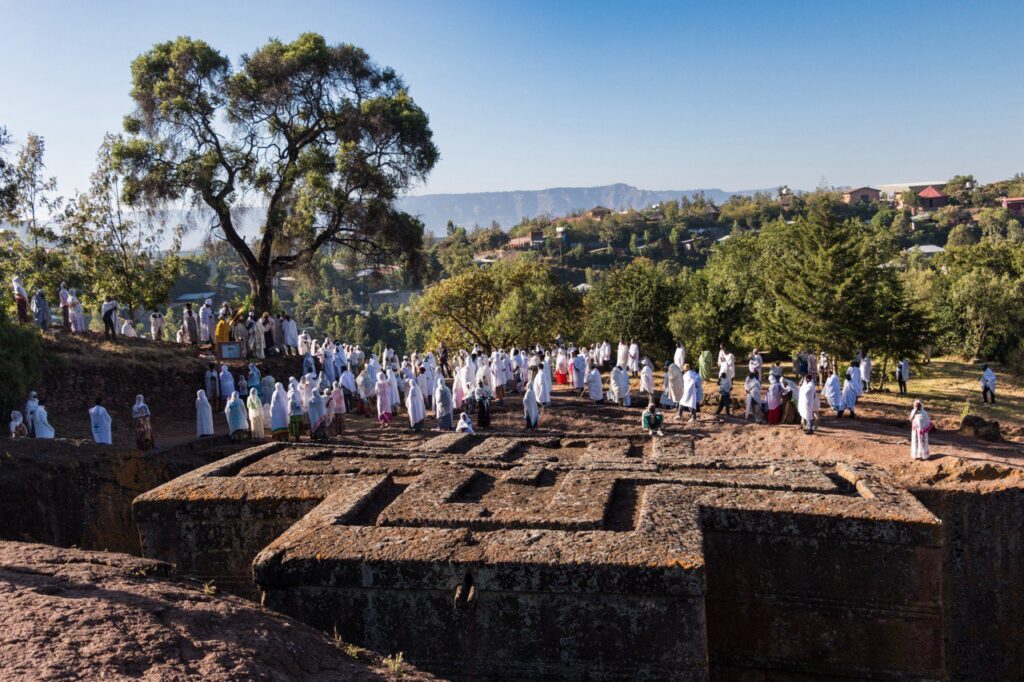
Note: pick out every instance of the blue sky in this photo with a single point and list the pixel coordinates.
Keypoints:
(527, 95)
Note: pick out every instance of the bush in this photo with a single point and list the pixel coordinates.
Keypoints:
(20, 365)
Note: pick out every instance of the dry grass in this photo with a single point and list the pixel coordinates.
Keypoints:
(946, 386)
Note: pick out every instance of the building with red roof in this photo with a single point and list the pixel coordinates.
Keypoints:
(932, 198)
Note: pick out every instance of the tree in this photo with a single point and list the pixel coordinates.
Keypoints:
(962, 235)
(116, 254)
(838, 292)
(959, 189)
(512, 303)
(633, 303)
(325, 137)
(8, 185)
(988, 310)
(32, 197)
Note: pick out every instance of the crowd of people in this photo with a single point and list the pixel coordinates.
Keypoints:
(339, 379)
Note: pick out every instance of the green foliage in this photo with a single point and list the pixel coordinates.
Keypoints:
(512, 303)
(320, 133)
(20, 364)
(632, 303)
(113, 253)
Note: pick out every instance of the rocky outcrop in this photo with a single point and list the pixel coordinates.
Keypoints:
(74, 493)
(976, 427)
(70, 614)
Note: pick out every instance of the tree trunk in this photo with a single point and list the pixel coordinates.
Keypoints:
(261, 284)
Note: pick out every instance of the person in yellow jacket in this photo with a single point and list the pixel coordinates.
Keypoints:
(222, 334)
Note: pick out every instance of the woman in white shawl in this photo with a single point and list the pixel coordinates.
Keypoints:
(595, 390)
(674, 383)
(238, 420)
(647, 381)
(414, 405)
(317, 416)
(808, 403)
(41, 422)
(443, 407)
(618, 387)
(396, 394)
(204, 415)
(338, 408)
(143, 426)
(383, 391)
(920, 426)
(693, 393)
(752, 387)
(851, 390)
(279, 413)
(465, 424)
(16, 428)
(531, 409)
(255, 408)
(542, 384)
(834, 394)
(76, 312)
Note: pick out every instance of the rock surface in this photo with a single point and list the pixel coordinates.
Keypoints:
(977, 427)
(71, 614)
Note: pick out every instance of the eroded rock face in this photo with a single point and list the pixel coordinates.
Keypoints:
(69, 614)
(571, 557)
(977, 427)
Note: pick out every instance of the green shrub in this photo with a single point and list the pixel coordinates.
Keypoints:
(20, 365)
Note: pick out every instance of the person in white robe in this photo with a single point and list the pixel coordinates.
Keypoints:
(338, 408)
(755, 364)
(595, 389)
(679, 356)
(279, 413)
(156, 325)
(465, 424)
(31, 405)
(396, 393)
(633, 359)
(752, 387)
(77, 312)
(99, 419)
(206, 322)
(618, 387)
(444, 409)
(226, 382)
(531, 409)
(425, 381)
(647, 380)
(128, 329)
(255, 409)
(674, 383)
(317, 415)
(988, 385)
(622, 354)
(579, 367)
(851, 390)
(808, 403)
(542, 384)
(920, 426)
(834, 394)
(853, 373)
(693, 393)
(204, 415)
(414, 405)
(865, 372)
(383, 392)
(237, 418)
(41, 422)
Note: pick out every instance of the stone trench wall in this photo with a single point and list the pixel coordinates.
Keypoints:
(983, 590)
(78, 494)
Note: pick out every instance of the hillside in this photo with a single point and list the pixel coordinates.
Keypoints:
(508, 208)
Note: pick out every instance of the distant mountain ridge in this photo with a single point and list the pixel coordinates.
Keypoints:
(508, 208)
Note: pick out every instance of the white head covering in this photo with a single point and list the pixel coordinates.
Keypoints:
(140, 409)
(16, 420)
